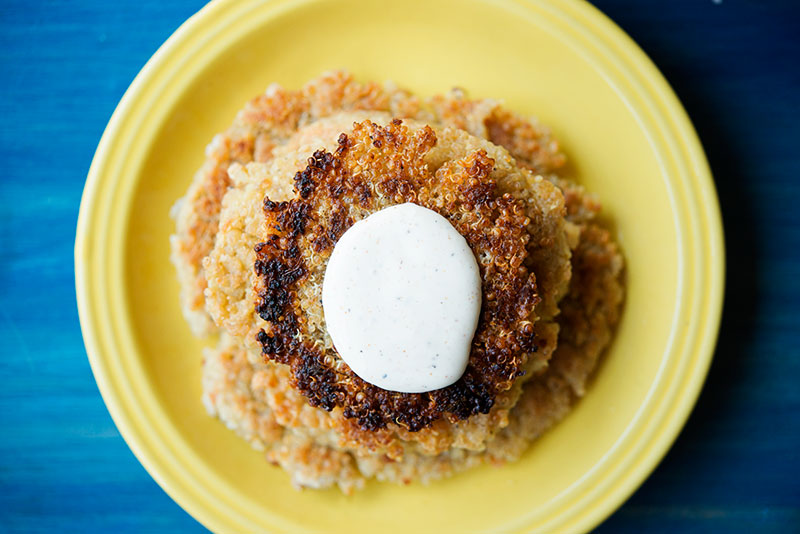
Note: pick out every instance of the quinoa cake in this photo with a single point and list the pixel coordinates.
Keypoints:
(263, 214)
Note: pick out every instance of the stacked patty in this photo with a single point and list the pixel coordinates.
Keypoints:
(262, 216)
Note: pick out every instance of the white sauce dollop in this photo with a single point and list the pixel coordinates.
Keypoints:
(401, 297)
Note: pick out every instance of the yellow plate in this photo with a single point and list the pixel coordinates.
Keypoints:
(628, 140)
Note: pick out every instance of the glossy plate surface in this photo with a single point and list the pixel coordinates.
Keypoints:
(627, 139)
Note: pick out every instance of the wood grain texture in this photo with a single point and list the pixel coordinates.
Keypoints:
(734, 64)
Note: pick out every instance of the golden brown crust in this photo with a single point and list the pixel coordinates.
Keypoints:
(591, 308)
(371, 169)
(526, 141)
(197, 216)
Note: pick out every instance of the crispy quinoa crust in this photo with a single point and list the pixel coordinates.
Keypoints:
(373, 168)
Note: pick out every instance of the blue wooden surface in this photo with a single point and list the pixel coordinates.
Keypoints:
(65, 65)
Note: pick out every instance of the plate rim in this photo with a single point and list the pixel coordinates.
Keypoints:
(98, 338)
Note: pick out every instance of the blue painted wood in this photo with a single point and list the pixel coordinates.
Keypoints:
(63, 68)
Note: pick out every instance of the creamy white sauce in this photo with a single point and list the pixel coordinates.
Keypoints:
(401, 297)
